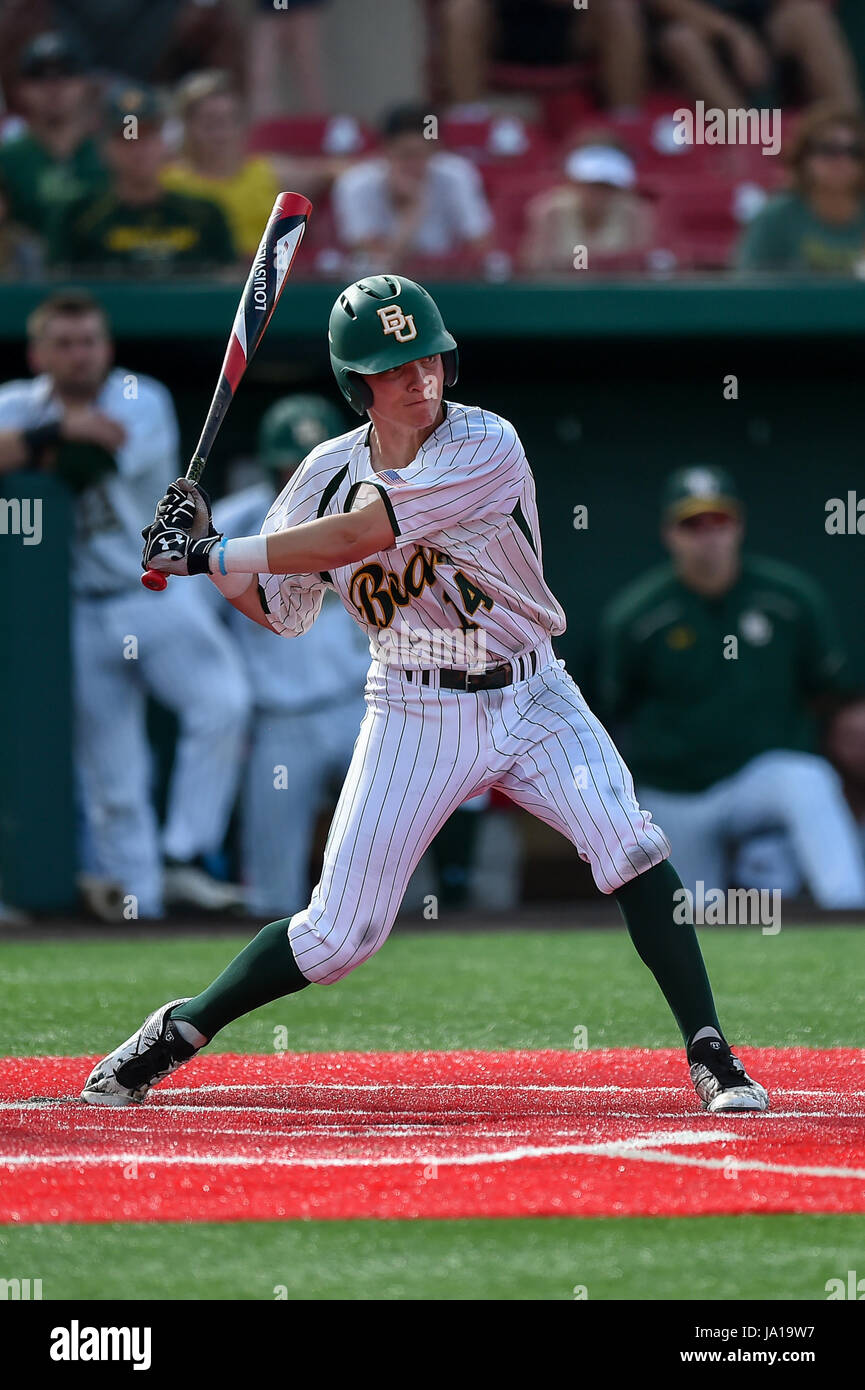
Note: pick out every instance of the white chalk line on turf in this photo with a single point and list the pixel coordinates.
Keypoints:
(515, 1155)
(515, 1086)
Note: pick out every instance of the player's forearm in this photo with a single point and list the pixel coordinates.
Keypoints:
(319, 545)
(324, 544)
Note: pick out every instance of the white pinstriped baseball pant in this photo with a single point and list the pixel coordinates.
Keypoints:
(421, 752)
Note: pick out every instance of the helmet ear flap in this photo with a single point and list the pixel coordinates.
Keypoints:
(361, 392)
(451, 365)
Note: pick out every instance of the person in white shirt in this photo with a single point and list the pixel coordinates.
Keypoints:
(414, 200)
(112, 436)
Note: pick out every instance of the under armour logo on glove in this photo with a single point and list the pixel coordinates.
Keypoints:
(173, 551)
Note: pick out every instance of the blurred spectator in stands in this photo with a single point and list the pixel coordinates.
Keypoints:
(725, 51)
(20, 250)
(412, 200)
(137, 223)
(819, 226)
(285, 34)
(543, 33)
(55, 159)
(154, 40)
(598, 209)
(21, 21)
(213, 162)
(719, 663)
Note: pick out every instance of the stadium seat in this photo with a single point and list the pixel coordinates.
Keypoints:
(504, 140)
(509, 192)
(310, 135)
(701, 220)
(322, 254)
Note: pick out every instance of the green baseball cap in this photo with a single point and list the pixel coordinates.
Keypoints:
(51, 55)
(292, 427)
(698, 489)
(136, 99)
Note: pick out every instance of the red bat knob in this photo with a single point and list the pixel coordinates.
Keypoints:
(152, 579)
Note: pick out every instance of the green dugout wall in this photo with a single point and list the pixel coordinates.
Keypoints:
(609, 385)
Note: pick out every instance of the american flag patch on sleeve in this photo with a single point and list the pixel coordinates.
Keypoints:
(391, 475)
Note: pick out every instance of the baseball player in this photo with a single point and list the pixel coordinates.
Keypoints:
(424, 522)
(307, 695)
(718, 660)
(113, 437)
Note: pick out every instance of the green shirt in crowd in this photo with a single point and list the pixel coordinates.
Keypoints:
(175, 232)
(38, 185)
(787, 235)
(698, 706)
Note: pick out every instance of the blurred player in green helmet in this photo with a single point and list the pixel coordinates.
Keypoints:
(307, 695)
(291, 427)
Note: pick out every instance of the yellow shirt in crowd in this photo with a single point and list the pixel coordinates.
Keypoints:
(246, 198)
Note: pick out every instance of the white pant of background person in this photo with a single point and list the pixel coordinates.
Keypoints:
(798, 793)
(279, 809)
(187, 661)
(421, 752)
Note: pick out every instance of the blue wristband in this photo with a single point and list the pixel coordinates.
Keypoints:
(222, 569)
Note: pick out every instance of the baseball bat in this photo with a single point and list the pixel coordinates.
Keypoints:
(267, 276)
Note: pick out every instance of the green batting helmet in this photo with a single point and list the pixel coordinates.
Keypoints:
(294, 425)
(700, 488)
(380, 322)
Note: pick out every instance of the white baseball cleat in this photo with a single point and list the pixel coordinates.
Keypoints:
(188, 885)
(126, 1075)
(721, 1081)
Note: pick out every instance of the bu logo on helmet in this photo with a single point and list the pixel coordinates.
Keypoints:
(393, 320)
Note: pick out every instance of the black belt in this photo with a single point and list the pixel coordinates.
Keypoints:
(494, 678)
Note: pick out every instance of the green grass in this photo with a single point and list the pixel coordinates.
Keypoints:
(711, 1257)
(448, 990)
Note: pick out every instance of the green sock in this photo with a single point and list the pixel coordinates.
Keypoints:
(670, 949)
(265, 970)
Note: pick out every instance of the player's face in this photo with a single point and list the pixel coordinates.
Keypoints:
(214, 123)
(53, 100)
(847, 739)
(836, 160)
(596, 198)
(708, 543)
(75, 351)
(409, 395)
(408, 154)
(138, 160)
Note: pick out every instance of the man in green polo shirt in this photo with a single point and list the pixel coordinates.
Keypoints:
(714, 663)
(137, 225)
(55, 159)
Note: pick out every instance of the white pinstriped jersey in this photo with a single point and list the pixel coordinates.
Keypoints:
(467, 557)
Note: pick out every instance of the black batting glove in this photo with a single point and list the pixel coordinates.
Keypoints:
(188, 507)
(171, 550)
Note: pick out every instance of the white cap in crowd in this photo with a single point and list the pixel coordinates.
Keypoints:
(601, 164)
